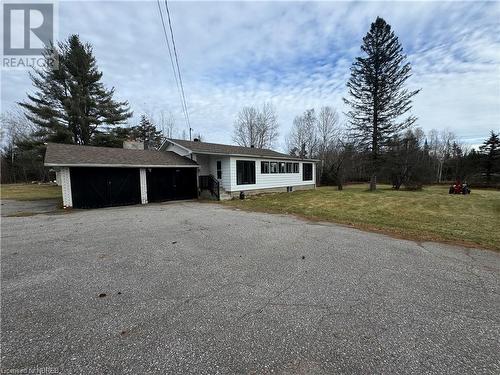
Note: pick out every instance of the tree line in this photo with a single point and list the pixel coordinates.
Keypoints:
(408, 159)
(379, 140)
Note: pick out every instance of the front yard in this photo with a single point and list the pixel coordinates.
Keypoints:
(30, 192)
(430, 214)
(191, 288)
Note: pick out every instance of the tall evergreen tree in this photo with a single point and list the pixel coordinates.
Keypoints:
(71, 102)
(113, 137)
(491, 153)
(377, 93)
(146, 132)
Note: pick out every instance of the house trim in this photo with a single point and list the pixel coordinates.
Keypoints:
(234, 154)
(256, 156)
(174, 143)
(120, 165)
(65, 177)
(144, 185)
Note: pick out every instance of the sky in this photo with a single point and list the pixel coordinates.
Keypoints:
(295, 55)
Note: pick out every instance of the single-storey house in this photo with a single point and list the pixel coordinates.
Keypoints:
(180, 169)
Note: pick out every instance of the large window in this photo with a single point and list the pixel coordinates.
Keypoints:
(307, 171)
(278, 167)
(219, 169)
(245, 172)
(264, 167)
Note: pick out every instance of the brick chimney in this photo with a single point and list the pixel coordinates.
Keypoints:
(133, 145)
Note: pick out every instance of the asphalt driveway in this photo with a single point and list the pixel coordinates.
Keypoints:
(199, 288)
(11, 207)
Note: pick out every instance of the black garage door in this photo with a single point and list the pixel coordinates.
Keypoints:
(166, 184)
(105, 187)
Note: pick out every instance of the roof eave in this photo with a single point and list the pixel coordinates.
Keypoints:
(120, 165)
(254, 156)
(174, 143)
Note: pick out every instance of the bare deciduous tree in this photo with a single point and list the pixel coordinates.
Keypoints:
(327, 124)
(440, 146)
(21, 148)
(339, 160)
(166, 124)
(302, 141)
(15, 127)
(256, 128)
(328, 132)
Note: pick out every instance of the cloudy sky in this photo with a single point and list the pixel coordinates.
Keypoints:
(295, 55)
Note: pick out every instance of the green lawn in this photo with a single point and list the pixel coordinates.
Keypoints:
(27, 192)
(430, 214)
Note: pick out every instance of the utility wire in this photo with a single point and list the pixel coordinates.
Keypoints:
(181, 93)
(178, 68)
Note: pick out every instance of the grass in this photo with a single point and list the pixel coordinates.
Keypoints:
(30, 192)
(431, 214)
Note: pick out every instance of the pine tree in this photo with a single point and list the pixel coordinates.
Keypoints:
(490, 150)
(378, 97)
(147, 133)
(113, 137)
(71, 102)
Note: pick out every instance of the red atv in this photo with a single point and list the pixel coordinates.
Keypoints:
(459, 188)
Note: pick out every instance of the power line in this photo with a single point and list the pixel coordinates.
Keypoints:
(172, 64)
(178, 68)
(181, 92)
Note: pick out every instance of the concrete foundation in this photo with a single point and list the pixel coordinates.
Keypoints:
(236, 194)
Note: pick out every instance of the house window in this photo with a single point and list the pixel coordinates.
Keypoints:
(289, 168)
(245, 172)
(282, 167)
(274, 167)
(219, 169)
(307, 172)
(264, 167)
(295, 167)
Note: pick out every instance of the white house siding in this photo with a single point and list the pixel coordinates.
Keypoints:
(58, 176)
(66, 187)
(208, 165)
(270, 180)
(144, 186)
(225, 181)
(178, 150)
(204, 163)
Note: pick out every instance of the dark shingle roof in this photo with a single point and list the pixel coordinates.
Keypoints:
(74, 155)
(216, 148)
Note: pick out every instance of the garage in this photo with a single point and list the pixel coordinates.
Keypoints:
(105, 187)
(165, 184)
(93, 177)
